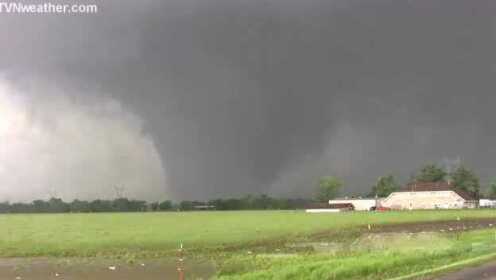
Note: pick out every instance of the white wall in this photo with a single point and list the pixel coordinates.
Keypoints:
(323, 210)
(359, 204)
(424, 200)
(487, 203)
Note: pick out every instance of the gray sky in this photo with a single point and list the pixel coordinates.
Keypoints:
(195, 99)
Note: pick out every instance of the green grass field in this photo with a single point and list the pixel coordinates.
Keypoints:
(159, 234)
(400, 257)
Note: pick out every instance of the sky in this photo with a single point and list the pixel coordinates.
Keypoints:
(198, 99)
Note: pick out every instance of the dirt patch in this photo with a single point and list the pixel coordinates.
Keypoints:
(355, 232)
(416, 227)
(398, 241)
(441, 226)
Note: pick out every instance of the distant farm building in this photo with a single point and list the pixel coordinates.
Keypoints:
(358, 204)
(435, 195)
(487, 203)
(204, 207)
(322, 210)
(329, 208)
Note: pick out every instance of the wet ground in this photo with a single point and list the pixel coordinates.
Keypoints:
(439, 226)
(47, 269)
(434, 226)
(483, 272)
(75, 269)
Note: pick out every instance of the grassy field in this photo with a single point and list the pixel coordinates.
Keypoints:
(390, 256)
(158, 234)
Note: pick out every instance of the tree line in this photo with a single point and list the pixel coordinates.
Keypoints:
(57, 205)
(328, 187)
(462, 178)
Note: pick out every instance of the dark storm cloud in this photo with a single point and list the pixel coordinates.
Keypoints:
(265, 96)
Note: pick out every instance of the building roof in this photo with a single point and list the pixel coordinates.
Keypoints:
(341, 205)
(437, 186)
(352, 198)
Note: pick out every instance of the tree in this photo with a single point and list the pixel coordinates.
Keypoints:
(431, 173)
(136, 205)
(186, 205)
(121, 205)
(385, 185)
(165, 205)
(492, 188)
(40, 206)
(57, 205)
(101, 206)
(328, 188)
(80, 206)
(4, 207)
(154, 206)
(465, 179)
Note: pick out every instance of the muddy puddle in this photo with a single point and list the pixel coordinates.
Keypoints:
(46, 269)
(440, 226)
(399, 237)
(397, 241)
(415, 227)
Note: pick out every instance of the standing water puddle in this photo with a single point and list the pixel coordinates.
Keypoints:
(45, 269)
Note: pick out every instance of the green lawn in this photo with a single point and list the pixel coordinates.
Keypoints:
(158, 234)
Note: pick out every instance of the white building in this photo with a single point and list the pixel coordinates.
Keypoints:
(359, 204)
(438, 195)
(487, 203)
(323, 210)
